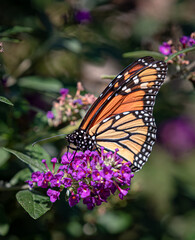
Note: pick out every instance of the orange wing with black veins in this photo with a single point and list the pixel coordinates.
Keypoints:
(109, 100)
(124, 120)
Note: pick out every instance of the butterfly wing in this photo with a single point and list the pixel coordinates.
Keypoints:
(125, 120)
(96, 113)
(132, 133)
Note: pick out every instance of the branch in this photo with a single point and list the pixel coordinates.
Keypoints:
(5, 186)
(190, 49)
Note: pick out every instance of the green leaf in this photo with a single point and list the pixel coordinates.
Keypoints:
(115, 222)
(20, 176)
(4, 156)
(9, 39)
(190, 49)
(15, 30)
(34, 203)
(41, 84)
(37, 153)
(138, 54)
(73, 45)
(5, 100)
(36, 164)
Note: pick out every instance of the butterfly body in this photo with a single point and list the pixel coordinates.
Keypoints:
(81, 140)
(122, 115)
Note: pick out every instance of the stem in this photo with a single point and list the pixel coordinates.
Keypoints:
(108, 76)
(180, 52)
(10, 188)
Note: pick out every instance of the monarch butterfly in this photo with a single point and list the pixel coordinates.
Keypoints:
(121, 117)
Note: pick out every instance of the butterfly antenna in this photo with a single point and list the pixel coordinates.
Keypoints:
(74, 154)
(41, 140)
(68, 147)
(72, 157)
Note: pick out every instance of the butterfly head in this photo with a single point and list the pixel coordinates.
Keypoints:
(81, 140)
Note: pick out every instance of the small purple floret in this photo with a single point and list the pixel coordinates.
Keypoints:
(78, 101)
(123, 192)
(184, 40)
(106, 173)
(165, 49)
(30, 183)
(96, 175)
(50, 115)
(83, 191)
(67, 182)
(73, 200)
(64, 91)
(83, 16)
(191, 42)
(54, 195)
(48, 176)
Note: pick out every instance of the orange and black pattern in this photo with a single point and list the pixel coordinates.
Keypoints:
(122, 115)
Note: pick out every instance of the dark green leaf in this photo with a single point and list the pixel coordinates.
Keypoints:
(115, 222)
(34, 203)
(9, 39)
(4, 156)
(73, 45)
(15, 30)
(4, 226)
(138, 54)
(5, 100)
(32, 162)
(21, 176)
(37, 153)
(40, 84)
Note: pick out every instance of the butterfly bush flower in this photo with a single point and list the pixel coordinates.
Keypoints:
(54, 195)
(187, 41)
(165, 48)
(64, 91)
(168, 48)
(68, 108)
(90, 177)
(50, 115)
(83, 16)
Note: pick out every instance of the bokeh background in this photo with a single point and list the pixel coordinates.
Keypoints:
(50, 44)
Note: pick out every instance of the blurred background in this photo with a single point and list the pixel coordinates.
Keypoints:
(53, 44)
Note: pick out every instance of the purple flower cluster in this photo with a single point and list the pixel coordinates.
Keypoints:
(168, 48)
(187, 41)
(88, 176)
(67, 108)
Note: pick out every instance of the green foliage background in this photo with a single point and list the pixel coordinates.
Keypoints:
(45, 49)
